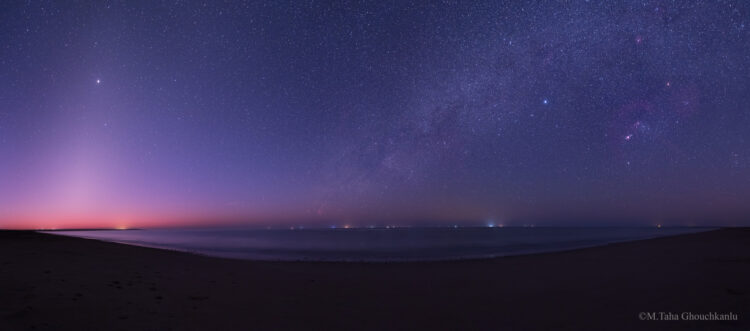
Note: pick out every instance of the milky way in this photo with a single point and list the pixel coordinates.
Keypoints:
(381, 112)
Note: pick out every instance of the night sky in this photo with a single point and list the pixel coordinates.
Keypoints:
(163, 113)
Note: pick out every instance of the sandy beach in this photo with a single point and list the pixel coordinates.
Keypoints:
(50, 282)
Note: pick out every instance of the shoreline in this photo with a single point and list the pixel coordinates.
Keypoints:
(58, 282)
(376, 260)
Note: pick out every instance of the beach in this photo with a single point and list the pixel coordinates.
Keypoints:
(50, 282)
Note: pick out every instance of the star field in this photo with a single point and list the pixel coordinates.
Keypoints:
(374, 112)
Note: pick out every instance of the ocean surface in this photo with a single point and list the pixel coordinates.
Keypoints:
(378, 244)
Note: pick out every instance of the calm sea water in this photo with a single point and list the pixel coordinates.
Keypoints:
(399, 244)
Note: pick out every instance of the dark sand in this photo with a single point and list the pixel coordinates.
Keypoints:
(54, 282)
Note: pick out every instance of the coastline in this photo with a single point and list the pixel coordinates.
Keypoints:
(314, 256)
(59, 282)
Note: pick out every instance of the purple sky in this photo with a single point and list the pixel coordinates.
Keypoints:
(124, 114)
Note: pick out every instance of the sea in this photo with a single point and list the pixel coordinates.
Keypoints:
(376, 244)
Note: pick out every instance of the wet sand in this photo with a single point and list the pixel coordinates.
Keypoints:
(50, 282)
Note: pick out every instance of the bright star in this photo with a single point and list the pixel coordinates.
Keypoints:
(98, 81)
(545, 101)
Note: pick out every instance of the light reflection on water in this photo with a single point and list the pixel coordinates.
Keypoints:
(378, 244)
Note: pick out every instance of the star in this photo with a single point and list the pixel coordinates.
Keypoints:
(545, 101)
(98, 81)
